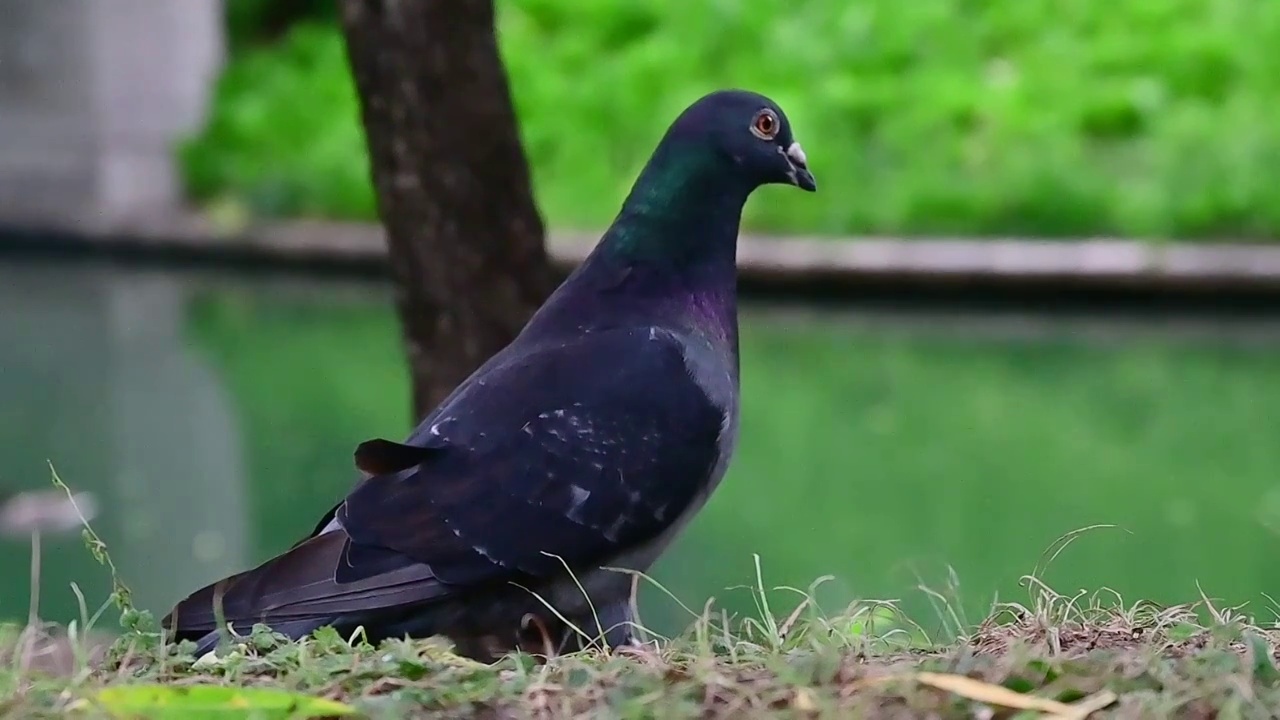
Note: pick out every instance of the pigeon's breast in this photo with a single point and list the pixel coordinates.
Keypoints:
(710, 346)
(713, 365)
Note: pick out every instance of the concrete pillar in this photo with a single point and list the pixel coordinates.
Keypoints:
(94, 95)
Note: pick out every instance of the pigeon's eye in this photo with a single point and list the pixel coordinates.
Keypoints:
(765, 126)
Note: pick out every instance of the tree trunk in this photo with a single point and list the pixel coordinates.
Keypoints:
(464, 236)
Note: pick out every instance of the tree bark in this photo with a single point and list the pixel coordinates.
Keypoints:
(464, 237)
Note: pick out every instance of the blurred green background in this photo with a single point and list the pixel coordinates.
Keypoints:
(1049, 118)
(881, 455)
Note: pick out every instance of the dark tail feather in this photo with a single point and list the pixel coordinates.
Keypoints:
(297, 592)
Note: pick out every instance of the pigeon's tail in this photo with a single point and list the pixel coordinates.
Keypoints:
(296, 592)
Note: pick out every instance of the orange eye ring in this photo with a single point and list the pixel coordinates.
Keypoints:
(765, 125)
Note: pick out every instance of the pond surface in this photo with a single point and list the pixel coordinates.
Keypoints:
(213, 418)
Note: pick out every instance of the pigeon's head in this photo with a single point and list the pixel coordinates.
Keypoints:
(752, 132)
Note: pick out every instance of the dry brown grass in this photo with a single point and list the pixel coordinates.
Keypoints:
(1054, 655)
(1092, 652)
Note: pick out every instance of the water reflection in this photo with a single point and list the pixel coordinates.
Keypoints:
(96, 378)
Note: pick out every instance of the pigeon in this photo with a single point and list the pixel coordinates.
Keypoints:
(517, 513)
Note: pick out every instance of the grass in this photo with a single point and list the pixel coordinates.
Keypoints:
(1058, 656)
(1054, 656)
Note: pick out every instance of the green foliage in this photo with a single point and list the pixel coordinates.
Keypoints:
(937, 116)
(251, 22)
(284, 136)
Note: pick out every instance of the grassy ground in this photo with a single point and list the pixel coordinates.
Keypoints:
(1055, 656)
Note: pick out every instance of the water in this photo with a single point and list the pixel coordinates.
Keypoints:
(98, 379)
(214, 417)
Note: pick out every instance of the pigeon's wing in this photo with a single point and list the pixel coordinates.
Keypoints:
(568, 454)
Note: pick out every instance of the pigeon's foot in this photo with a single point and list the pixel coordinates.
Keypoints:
(546, 635)
(612, 628)
(537, 637)
(487, 648)
(639, 650)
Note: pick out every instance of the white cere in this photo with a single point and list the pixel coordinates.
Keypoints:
(796, 153)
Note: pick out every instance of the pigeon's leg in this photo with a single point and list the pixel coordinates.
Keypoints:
(617, 624)
(485, 648)
(612, 626)
(537, 637)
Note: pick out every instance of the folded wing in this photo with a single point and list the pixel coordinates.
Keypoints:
(567, 455)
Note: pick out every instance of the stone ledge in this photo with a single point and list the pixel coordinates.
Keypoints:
(359, 248)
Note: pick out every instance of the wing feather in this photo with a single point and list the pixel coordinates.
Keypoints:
(570, 455)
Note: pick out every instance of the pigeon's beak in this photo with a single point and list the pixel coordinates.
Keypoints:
(799, 172)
